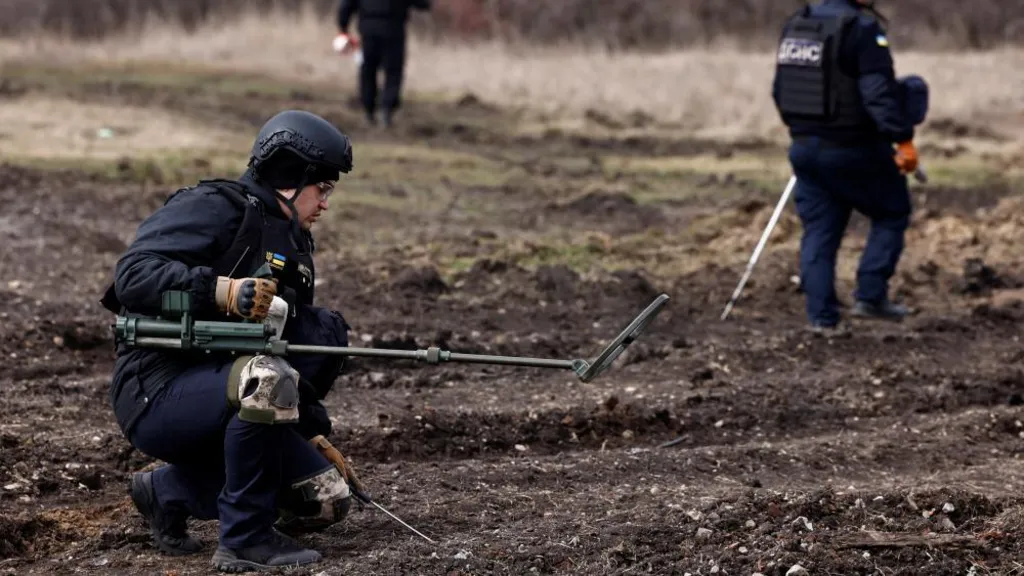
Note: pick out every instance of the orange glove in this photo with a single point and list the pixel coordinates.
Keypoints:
(906, 156)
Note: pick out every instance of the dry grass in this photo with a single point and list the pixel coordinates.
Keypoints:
(719, 93)
(45, 128)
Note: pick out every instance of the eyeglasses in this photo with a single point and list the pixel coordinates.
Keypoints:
(326, 189)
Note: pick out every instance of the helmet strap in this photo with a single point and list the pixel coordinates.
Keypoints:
(296, 228)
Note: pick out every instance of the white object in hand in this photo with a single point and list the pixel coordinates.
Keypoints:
(341, 41)
(277, 316)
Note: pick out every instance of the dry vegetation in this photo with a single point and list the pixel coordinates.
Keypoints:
(710, 91)
(612, 24)
(894, 450)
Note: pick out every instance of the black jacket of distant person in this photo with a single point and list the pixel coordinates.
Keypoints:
(378, 17)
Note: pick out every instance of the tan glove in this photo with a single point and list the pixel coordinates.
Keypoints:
(249, 298)
(335, 457)
(906, 156)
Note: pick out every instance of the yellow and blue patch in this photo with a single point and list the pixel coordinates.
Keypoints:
(276, 260)
(882, 41)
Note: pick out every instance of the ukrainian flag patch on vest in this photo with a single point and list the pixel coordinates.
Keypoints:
(276, 260)
(882, 41)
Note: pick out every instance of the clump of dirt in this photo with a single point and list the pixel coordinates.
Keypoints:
(961, 201)
(630, 285)
(24, 535)
(425, 280)
(978, 279)
(470, 101)
(954, 128)
(558, 281)
(617, 211)
(602, 119)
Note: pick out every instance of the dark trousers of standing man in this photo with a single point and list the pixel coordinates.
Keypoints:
(383, 48)
(832, 181)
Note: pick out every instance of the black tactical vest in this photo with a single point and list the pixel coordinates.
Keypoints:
(814, 91)
(258, 240)
(261, 239)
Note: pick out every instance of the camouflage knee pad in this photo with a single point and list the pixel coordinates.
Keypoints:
(312, 504)
(264, 389)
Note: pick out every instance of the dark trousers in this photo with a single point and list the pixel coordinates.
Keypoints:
(383, 48)
(832, 181)
(220, 467)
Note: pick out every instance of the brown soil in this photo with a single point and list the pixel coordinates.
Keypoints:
(710, 448)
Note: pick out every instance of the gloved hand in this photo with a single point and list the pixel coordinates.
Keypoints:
(249, 298)
(906, 156)
(335, 457)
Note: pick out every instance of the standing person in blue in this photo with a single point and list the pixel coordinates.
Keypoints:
(836, 90)
(234, 432)
(382, 32)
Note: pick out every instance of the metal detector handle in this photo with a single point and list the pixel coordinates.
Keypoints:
(264, 272)
(760, 246)
(920, 175)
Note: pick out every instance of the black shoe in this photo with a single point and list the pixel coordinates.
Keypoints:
(277, 551)
(169, 529)
(828, 330)
(371, 119)
(882, 311)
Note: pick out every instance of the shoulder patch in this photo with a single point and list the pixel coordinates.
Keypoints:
(882, 41)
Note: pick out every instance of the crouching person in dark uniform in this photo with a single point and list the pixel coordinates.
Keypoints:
(836, 90)
(234, 431)
(382, 32)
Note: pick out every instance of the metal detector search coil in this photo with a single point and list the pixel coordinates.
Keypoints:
(176, 330)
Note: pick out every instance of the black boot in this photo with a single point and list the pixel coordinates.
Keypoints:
(277, 551)
(169, 528)
(884, 310)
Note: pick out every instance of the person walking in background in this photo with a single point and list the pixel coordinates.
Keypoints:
(382, 28)
(836, 90)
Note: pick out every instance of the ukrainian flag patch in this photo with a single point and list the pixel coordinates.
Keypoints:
(882, 41)
(276, 260)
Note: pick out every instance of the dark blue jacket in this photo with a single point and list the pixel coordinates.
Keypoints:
(201, 233)
(386, 17)
(864, 54)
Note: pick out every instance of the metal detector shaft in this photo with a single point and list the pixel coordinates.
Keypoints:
(760, 246)
(433, 356)
(429, 355)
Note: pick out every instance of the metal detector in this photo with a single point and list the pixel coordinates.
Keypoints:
(176, 330)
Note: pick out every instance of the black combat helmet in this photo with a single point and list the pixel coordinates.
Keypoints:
(296, 148)
(306, 135)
